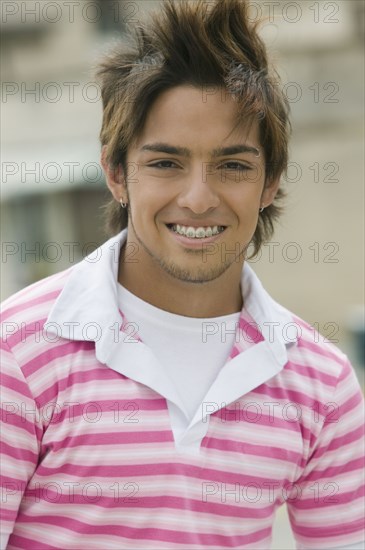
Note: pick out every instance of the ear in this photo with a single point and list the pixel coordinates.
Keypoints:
(269, 192)
(114, 178)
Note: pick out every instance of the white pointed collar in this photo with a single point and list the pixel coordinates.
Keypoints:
(87, 309)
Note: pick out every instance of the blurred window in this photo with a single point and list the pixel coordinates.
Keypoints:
(114, 15)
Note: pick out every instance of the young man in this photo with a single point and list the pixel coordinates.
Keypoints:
(155, 396)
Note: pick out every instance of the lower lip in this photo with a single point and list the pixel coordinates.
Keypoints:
(195, 243)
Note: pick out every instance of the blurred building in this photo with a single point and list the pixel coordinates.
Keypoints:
(52, 182)
(53, 187)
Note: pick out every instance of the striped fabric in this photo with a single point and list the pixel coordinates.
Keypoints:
(89, 459)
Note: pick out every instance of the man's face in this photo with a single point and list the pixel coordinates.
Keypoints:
(187, 170)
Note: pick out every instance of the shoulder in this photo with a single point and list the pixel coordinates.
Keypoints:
(315, 362)
(35, 298)
(34, 363)
(24, 313)
(310, 357)
(316, 349)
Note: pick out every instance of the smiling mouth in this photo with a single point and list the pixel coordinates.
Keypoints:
(196, 232)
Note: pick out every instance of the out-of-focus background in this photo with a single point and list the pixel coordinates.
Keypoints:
(52, 186)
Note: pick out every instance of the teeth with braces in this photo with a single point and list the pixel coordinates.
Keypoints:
(197, 232)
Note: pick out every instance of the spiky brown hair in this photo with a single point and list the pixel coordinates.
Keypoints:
(201, 43)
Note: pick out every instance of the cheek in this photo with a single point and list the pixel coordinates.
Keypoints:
(145, 204)
(246, 200)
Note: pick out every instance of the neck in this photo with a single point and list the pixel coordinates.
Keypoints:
(216, 298)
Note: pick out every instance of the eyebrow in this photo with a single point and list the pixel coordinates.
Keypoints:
(184, 152)
(165, 148)
(235, 150)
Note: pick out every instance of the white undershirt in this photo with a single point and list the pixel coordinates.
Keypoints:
(186, 347)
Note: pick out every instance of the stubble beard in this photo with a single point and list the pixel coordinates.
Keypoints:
(195, 275)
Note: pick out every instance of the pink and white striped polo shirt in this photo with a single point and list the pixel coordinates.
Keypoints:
(89, 458)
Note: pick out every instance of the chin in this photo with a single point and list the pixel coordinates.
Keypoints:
(197, 276)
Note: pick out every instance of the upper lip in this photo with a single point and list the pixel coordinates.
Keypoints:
(191, 223)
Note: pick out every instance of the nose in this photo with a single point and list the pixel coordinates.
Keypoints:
(197, 193)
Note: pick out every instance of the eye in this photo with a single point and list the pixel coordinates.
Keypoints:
(237, 166)
(164, 164)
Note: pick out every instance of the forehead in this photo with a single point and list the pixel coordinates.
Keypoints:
(204, 118)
